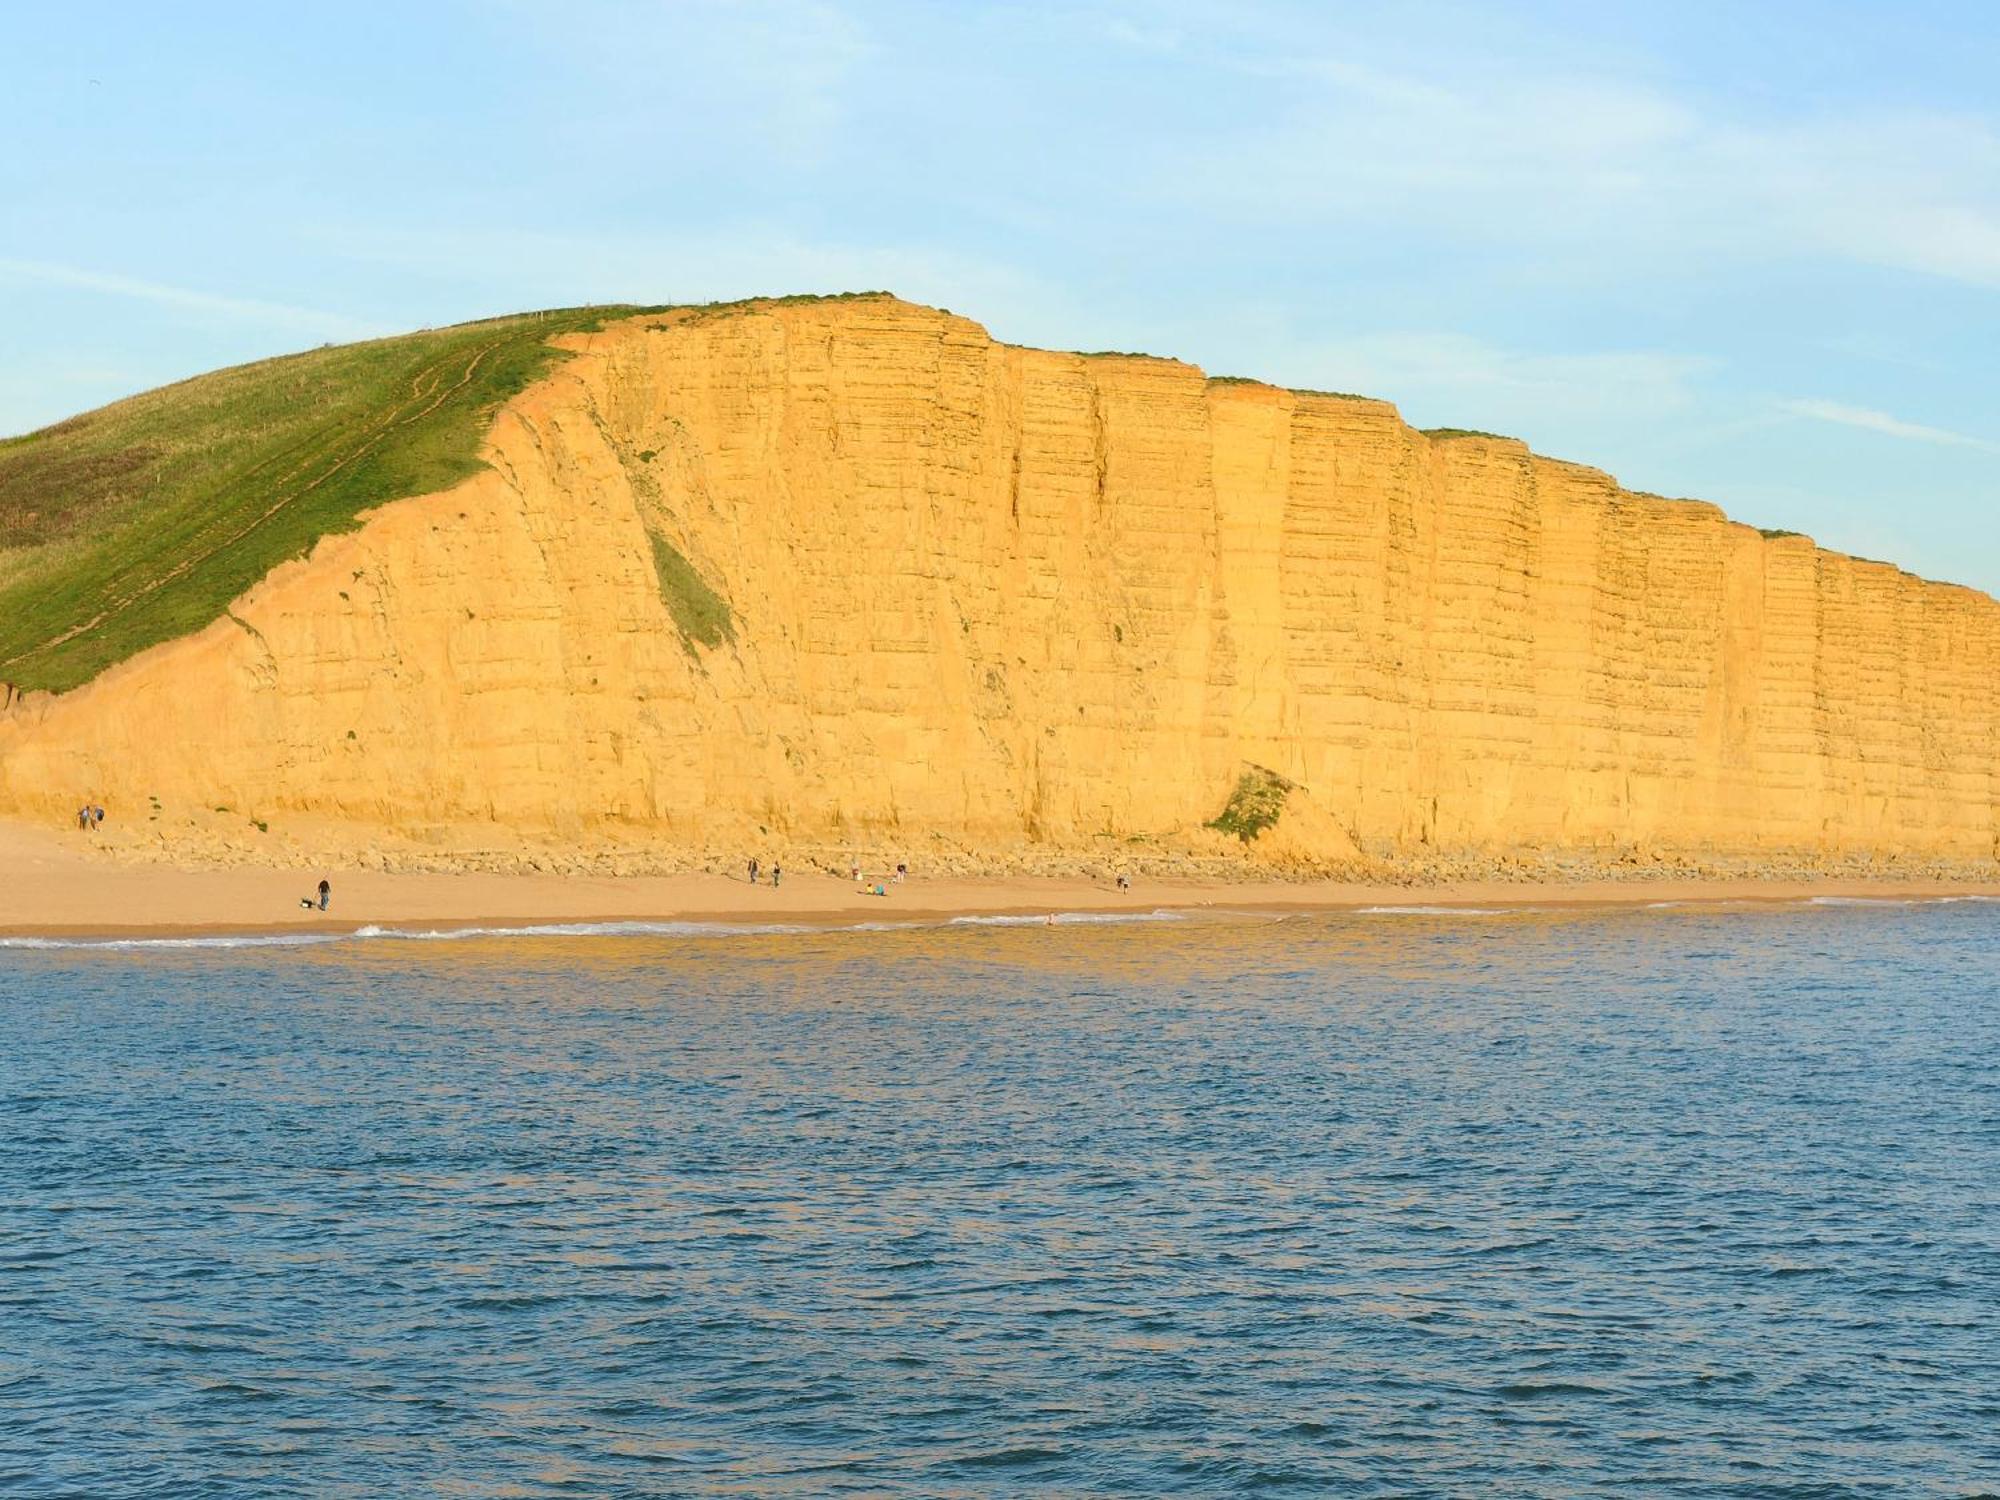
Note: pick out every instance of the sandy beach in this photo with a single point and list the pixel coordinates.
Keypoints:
(55, 884)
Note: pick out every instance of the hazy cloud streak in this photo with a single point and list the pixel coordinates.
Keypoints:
(1882, 422)
(247, 309)
(1607, 168)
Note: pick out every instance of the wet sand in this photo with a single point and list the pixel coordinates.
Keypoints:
(55, 884)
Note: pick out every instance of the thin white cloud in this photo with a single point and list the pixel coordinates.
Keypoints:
(186, 299)
(1609, 171)
(782, 72)
(1880, 421)
(1143, 38)
(1467, 379)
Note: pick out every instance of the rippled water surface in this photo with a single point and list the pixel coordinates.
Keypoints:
(1647, 1202)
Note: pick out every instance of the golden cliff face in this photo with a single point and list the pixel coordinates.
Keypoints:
(1009, 596)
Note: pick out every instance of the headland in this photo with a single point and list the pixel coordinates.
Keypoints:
(635, 593)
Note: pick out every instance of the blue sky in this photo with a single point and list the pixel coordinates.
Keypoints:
(1744, 252)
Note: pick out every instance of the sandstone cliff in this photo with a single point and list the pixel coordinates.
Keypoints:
(853, 571)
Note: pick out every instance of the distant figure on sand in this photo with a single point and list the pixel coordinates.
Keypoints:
(777, 874)
(83, 818)
(1124, 882)
(325, 893)
(854, 870)
(902, 870)
(97, 817)
(753, 872)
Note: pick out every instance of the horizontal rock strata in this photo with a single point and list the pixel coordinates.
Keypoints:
(1013, 597)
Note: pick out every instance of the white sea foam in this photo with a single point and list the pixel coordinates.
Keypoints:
(1437, 911)
(1062, 918)
(218, 940)
(580, 929)
(1706, 905)
(1703, 905)
(377, 933)
(742, 929)
(1901, 900)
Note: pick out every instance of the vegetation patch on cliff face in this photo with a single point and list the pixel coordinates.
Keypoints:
(139, 522)
(701, 614)
(1255, 804)
(1466, 432)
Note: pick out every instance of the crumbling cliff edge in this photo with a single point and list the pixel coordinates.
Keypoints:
(852, 574)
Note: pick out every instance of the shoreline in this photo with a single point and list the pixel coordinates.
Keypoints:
(55, 891)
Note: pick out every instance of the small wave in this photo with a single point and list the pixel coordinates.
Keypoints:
(235, 1390)
(1973, 900)
(1062, 918)
(377, 932)
(1007, 1458)
(506, 1302)
(739, 929)
(220, 940)
(1432, 911)
(1706, 905)
(1537, 1390)
(579, 929)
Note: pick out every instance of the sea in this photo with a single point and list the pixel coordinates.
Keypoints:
(1651, 1201)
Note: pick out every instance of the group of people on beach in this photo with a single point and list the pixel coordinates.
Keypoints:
(879, 887)
(90, 817)
(862, 887)
(756, 872)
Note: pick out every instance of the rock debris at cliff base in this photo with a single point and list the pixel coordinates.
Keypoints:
(1040, 605)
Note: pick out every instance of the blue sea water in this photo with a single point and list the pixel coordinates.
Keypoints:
(1691, 1201)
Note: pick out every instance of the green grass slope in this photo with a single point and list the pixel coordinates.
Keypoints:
(139, 522)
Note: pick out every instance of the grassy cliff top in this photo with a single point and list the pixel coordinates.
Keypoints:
(139, 522)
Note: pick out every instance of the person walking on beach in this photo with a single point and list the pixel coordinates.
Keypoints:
(83, 818)
(753, 872)
(777, 872)
(325, 892)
